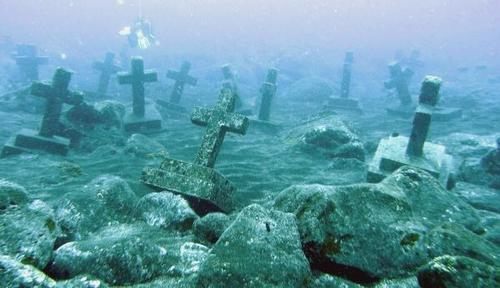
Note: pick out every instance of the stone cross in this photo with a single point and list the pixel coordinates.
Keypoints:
(107, 68)
(27, 59)
(181, 78)
(400, 79)
(218, 121)
(346, 75)
(429, 96)
(56, 95)
(268, 91)
(229, 77)
(137, 77)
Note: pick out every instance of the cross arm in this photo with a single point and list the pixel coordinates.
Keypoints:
(201, 116)
(41, 89)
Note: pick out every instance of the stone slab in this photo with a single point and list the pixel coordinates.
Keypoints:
(28, 141)
(338, 103)
(176, 108)
(391, 155)
(446, 114)
(205, 189)
(151, 122)
(266, 126)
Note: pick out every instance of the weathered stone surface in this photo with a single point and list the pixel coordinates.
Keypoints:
(328, 281)
(210, 227)
(369, 231)
(471, 171)
(119, 255)
(310, 89)
(28, 233)
(260, 249)
(166, 210)
(329, 136)
(107, 68)
(15, 274)
(458, 272)
(467, 145)
(181, 79)
(143, 146)
(82, 281)
(105, 201)
(111, 112)
(11, 194)
(192, 256)
(491, 223)
(28, 140)
(479, 197)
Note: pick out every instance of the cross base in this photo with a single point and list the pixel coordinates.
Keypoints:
(204, 188)
(446, 114)
(391, 155)
(402, 111)
(171, 107)
(266, 126)
(28, 141)
(150, 122)
(339, 103)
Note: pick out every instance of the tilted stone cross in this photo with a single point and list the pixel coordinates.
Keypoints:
(107, 68)
(268, 91)
(346, 75)
(429, 96)
(229, 78)
(27, 59)
(181, 78)
(137, 77)
(56, 95)
(400, 79)
(218, 121)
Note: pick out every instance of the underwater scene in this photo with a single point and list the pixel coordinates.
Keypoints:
(249, 143)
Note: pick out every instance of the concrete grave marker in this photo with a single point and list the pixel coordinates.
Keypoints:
(27, 59)
(181, 78)
(230, 79)
(268, 91)
(107, 68)
(205, 188)
(56, 94)
(397, 151)
(344, 102)
(138, 121)
(400, 81)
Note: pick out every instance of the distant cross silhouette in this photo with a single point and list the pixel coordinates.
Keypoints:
(268, 91)
(28, 61)
(229, 78)
(218, 121)
(137, 77)
(181, 79)
(56, 94)
(400, 79)
(346, 75)
(107, 68)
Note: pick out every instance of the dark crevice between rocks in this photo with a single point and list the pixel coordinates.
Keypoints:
(321, 263)
(56, 274)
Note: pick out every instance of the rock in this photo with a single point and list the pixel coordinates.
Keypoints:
(105, 201)
(209, 228)
(28, 233)
(166, 210)
(11, 194)
(479, 197)
(471, 171)
(261, 248)
(192, 256)
(329, 136)
(457, 271)
(82, 281)
(366, 232)
(310, 89)
(143, 146)
(15, 274)
(119, 255)
(491, 223)
(467, 145)
(111, 112)
(327, 281)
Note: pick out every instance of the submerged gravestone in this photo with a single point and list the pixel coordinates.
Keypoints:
(344, 102)
(138, 120)
(400, 81)
(268, 91)
(27, 59)
(397, 151)
(205, 188)
(230, 79)
(107, 69)
(46, 139)
(182, 78)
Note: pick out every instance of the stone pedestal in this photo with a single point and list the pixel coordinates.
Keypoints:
(150, 122)
(346, 104)
(29, 141)
(391, 155)
(205, 188)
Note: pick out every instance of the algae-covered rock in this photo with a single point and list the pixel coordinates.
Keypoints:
(210, 227)
(16, 274)
(82, 281)
(480, 197)
(261, 248)
(457, 272)
(11, 194)
(143, 146)
(28, 233)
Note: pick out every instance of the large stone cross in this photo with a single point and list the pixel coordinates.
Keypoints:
(429, 96)
(181, 78)
(56, 95)
(137, 77)
(268, 91)
(27, 59)
(218, 121)
(346, 75)
(107, 68)
(400, 79)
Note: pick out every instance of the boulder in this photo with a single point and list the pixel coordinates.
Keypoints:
(111, 112)
(28, 233)
(261, 248)
(82, 281)
(367, 232)
(16, 274)
(210, 227)
(11, 194)
(458, 272)
(166, 210)
(143, 146)
(327, 136)
(480, 197)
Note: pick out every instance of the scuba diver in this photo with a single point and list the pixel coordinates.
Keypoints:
(140, 34)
